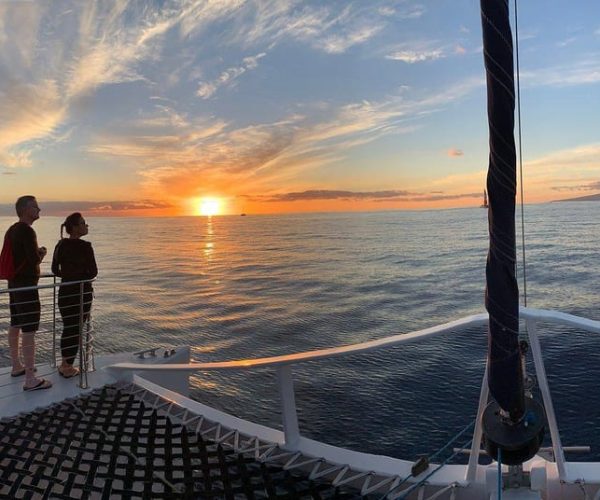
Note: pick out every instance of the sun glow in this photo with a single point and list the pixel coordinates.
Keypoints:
(209, 206)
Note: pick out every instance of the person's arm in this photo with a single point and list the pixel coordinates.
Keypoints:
(56, 260)
(92, 267)
(31, 250)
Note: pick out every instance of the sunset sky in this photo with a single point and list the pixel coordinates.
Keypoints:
(230, 106)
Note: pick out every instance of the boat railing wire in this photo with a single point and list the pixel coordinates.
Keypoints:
(49, 333)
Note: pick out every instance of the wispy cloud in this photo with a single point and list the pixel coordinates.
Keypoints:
(375, 196)
(414, 11)
(336, 44)
(584, 71)
(323, 27)
(27, 112)
(91, 207)
(49, 61)
(583, 157)
(573, 170)
(190, 157)
(386, 10)
(566, 42)
(324, 194)
(418, 51)
(228, 77)
(454, 152)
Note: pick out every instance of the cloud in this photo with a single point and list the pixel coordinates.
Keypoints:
(322, 27)
(90, 207)
(584, 71)
(453, 152)
(28, 112)
(577, 158)
(574, 169)
(336, 44)
(566, 42)
(324, 194)
(386, 11)
(592, 186)
(228, 77)
(376, 196)
(49, 59)
(176, 155)
(415, 52)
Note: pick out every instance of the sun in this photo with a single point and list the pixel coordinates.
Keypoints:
(209, 206)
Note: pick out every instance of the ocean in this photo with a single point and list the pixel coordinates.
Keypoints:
(245, 287)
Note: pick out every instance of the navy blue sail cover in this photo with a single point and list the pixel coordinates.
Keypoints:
(505, 378)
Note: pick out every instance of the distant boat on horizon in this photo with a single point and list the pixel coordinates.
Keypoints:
(243, 214)
(485, 201)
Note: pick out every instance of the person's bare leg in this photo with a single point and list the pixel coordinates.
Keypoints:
(13, 345)
(28, 347)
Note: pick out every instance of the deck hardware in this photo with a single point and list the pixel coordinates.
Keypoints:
(150, 352)
(420, 466)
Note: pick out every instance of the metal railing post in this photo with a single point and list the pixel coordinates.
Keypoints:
(288, 406)
(540, 371)
(477, 432)
(89, 355)
(83, 382)
(53, 359)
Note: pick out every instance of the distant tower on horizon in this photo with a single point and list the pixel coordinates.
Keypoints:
(485, 202)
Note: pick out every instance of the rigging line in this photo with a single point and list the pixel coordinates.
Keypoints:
(500, 471)
(429, 458)
(518, 83)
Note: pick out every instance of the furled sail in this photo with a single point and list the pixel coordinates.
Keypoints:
(505, 377)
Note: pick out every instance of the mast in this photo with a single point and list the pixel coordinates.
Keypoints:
(502, 293)
(513, 424)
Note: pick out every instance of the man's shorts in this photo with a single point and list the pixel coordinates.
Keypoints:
(25, 310)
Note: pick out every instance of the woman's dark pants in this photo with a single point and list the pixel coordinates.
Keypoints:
(71, 303)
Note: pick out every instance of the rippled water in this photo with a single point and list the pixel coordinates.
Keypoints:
(238, 287)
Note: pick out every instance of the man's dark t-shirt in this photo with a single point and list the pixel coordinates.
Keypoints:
(25, 254)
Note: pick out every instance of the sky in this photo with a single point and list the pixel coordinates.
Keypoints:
(167, 108)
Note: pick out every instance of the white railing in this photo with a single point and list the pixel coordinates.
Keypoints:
(284, 367)
(48, 334)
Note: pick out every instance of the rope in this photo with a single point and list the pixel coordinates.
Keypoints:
(431, 457)
(518, 82)
(499, 473)
(424, 480)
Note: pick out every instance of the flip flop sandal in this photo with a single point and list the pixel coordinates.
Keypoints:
(71, 374)
(42, 384)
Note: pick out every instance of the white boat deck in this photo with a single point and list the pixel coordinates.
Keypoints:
(14, 400)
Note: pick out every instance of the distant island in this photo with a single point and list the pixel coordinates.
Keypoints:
(591, 197)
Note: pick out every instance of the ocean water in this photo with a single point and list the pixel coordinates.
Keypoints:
(244, 287)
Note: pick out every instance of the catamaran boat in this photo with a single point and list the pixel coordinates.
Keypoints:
(126, 427)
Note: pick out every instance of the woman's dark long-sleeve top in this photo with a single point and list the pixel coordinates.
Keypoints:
(74, 260)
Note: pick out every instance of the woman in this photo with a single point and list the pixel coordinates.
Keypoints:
(73, 261)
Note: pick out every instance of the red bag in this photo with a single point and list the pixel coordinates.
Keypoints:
(7, 262)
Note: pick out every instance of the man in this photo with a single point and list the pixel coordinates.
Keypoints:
(25, 304)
